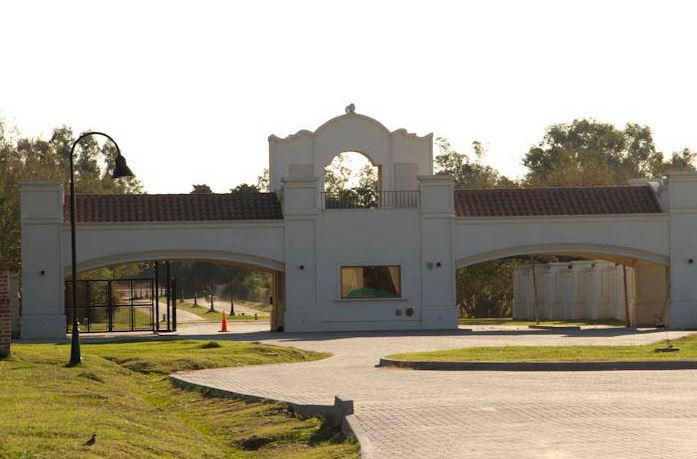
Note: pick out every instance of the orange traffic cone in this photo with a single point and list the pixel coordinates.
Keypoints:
(223, 323)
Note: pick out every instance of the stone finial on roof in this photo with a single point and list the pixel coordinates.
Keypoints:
(350, 109)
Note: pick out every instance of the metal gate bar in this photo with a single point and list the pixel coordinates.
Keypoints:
(101, 307)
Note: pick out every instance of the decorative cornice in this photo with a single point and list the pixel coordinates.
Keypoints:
(447, 179)
(300, 180)
(413, 136)
(350, 115)
(291, 137)
(53, 184)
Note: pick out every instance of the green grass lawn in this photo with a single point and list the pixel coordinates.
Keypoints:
(525, 323)
(203, 310)
(121, 319)
(263, 307)
(122, 393)
(687, 345)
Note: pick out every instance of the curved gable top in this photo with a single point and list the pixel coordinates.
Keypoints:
(348, 117)
(400, 155)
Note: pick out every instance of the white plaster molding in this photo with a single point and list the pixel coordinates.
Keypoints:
(307, 133)
(29, 184)
(239, 259)
(597, 250)
(437, 179)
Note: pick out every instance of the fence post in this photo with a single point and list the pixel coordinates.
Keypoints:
(232, 300)
(174, 304)
(168, 291)
(5, 327)
(157, 296)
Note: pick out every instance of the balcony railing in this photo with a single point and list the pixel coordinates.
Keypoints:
(371, 199)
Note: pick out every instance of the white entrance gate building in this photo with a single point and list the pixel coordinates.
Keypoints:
(388, 267)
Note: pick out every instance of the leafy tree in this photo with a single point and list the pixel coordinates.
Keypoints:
(484, 289)
(264, 181)
(24, 158)
(245, 189)
(683, 160)
(467, 173)
(337, 184)
(201, 189)
(337, 175)
(197, 277)
(590, 153)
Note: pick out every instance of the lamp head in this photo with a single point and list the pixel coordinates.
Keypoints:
(120, 168)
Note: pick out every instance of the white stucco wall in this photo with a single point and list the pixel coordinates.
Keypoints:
(622, 236)
(368, 237)
(254, 243)
(46, 250)
(310, 244)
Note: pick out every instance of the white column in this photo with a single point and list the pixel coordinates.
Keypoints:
(682, 206)
(41, 215)
(301, 207)
(437, 213)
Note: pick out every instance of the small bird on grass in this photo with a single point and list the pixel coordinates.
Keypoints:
(92, 440)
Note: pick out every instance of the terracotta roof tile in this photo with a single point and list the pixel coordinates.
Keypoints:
(556, 201)
(175, 207)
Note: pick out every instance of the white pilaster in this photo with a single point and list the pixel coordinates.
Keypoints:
(301, 207)
(437, 211)
(682, 205)
(41, 215)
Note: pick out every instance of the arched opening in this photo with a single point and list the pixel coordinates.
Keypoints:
(563, 283)
(351, 180)
(165, 292)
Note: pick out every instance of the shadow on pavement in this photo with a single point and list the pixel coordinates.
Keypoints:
(261, 336)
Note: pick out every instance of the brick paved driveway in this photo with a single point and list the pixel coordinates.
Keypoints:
(404, 413)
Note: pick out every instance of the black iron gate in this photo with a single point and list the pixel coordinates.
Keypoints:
(121, 305)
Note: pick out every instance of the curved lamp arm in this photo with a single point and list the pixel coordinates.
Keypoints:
(86, 134)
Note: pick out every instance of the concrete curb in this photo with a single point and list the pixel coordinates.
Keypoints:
(352, 428)
(340, 413)
(539, 366)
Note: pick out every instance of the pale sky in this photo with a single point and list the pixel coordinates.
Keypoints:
(191, 90)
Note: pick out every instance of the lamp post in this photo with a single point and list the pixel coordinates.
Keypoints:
(120, 170)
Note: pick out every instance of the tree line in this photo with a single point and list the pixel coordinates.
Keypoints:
(25, 158)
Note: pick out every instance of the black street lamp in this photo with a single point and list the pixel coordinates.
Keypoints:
(120, 170)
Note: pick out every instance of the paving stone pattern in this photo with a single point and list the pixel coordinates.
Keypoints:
(427, 414)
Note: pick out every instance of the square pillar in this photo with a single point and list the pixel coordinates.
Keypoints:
(437, 214)
(41, 214)
(682, 207)
(301, 208)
